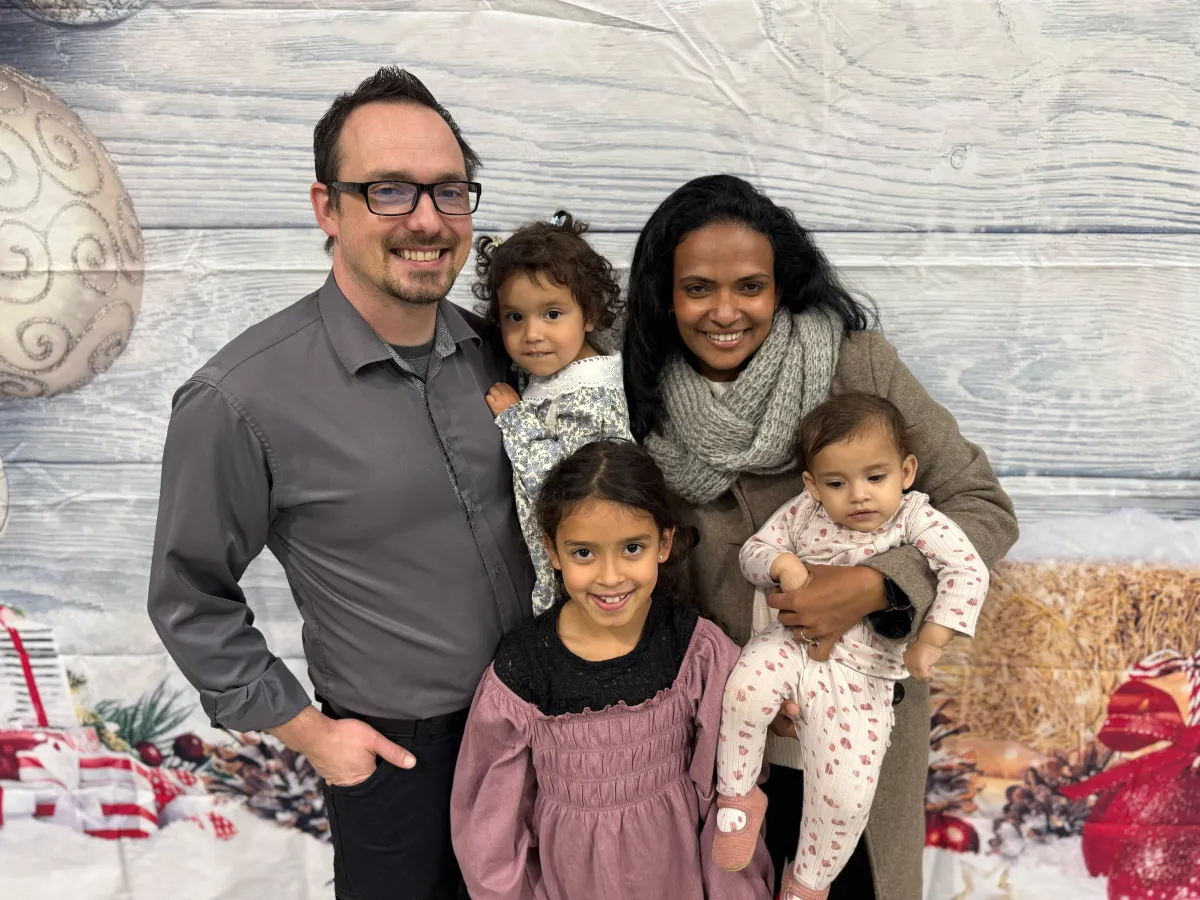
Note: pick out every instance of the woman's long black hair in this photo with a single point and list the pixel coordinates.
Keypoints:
(621, 472)
(805, 279)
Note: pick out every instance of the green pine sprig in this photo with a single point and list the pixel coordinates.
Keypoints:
(151, 718)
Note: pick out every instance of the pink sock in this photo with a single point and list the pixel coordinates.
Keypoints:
(792, 889)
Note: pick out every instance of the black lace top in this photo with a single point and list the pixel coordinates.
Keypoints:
(536, 666)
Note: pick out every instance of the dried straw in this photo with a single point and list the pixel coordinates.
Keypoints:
(1055, 639)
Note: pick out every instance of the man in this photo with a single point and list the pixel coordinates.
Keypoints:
(349, 435)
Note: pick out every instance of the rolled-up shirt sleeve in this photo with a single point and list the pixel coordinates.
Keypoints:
(214, 515)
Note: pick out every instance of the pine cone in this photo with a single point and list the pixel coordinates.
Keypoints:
(952, 781)
(276, 782)
(1036, 811)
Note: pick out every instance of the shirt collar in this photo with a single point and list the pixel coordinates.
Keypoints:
(356, 342)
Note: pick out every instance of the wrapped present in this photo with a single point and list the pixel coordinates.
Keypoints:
(83, 740)
(17, 802)
(26, 801)
(12, 743)
(110, 795)
(119, 795)
(34, 689)
(1144, 830)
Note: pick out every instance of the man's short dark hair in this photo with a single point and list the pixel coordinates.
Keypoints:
(390, 84)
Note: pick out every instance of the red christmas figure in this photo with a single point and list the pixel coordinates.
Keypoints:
(1144, 830)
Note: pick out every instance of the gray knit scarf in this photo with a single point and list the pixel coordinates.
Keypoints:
(702, 444)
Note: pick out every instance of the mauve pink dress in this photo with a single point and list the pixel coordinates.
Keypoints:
(615, 804)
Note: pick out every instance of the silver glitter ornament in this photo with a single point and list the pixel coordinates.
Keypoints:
(70, 246)
(80, 12)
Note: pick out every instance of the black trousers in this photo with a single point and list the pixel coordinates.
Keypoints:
(391, 833)
(784, 789)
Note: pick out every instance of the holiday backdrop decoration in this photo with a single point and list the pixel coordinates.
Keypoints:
(1144, 830)
(1060, 637)
(1027, 788)
(80, 12)
(950, 785)
(70, 246)
(1065, 741)
(34, 689)
(63, 781)
(63, 768)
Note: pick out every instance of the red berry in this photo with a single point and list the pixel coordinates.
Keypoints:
(190, 748)
(950, 833)
(935, 830)
(149, 753)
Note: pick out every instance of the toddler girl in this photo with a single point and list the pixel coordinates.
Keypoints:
(854, 450)
(552, 296)
(587, 766)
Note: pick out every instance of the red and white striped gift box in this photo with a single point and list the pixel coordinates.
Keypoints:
(111, 795)
(62, 777)
(34, 690)
(120, 795)
(19, 802)
(103, 794)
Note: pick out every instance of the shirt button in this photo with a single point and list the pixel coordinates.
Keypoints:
(497, 570)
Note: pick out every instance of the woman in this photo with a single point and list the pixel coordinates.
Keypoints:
(737, 327)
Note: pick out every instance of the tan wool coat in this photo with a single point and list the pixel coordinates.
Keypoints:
(959, 480)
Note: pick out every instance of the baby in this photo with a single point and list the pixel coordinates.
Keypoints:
(857, 462)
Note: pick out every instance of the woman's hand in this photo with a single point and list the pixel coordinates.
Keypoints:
(830, 603)
(784, 724)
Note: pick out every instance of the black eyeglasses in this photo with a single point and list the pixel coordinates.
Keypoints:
(399, 198)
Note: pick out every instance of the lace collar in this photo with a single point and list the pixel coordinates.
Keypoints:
(595, 371)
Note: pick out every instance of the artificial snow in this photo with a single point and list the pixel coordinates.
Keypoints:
(50, 862)
(1127, 535)
(1053, 869)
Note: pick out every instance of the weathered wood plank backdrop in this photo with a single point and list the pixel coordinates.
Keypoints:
(869, 115)
(1016, 185)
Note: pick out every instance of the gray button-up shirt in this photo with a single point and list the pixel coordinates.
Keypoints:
(387, 500)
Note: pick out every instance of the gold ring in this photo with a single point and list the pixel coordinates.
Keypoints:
(804, 637)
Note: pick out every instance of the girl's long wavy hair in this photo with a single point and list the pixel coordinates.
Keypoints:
(621, 472)
(804, 277)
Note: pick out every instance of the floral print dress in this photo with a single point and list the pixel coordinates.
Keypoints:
(580, 403)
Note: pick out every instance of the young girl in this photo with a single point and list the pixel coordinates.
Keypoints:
(553, 296)
(854, 449)
(587, 767)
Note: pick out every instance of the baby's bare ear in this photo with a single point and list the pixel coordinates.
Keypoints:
(811, 484)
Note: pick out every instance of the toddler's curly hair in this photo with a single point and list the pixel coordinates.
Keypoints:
(555, 250)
